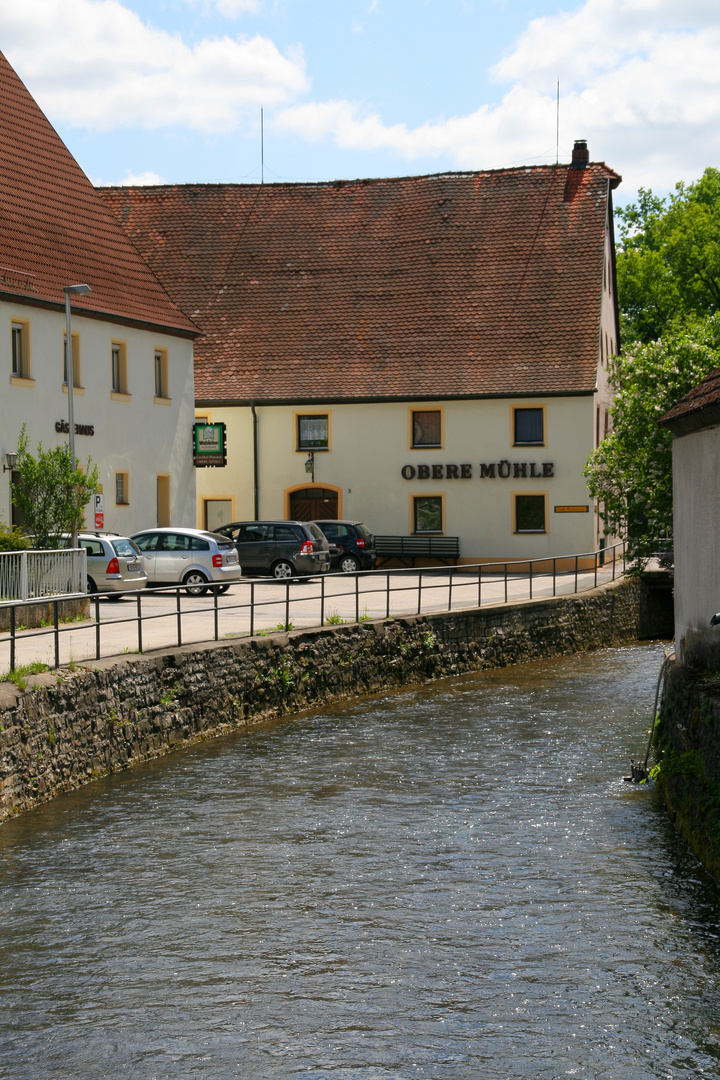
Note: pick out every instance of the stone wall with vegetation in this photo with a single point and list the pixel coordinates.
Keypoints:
(65, 728)
(687, 743)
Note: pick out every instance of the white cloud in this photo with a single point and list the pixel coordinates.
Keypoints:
(127, 73)
(640, 79)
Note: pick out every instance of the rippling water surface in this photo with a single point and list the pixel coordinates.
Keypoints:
(452, 881)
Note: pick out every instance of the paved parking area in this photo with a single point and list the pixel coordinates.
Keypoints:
(262, 606)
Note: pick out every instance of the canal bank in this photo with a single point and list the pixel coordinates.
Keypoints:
(67, 728)
(687, 743)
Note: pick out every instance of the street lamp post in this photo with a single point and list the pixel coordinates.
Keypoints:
(75, 290)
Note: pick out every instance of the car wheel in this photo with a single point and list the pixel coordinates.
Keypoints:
(220, 589)
(91, 586)
(195, 583)
(348, 564)
(282, 570)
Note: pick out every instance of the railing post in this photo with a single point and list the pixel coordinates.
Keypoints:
(553, 577)
(479, 584)
(576, 572)
(322, 599)
(252, 608)
(387, 594)
(97, 626)
(530, 565)
(12, 638)
(179, 617)
(596, 564)
(419, 609)
(357, 598)
(139, 622)
(614, 559)
(506, 583)
(215, 608)
(287, 605)
(450, 590)
(57, 633)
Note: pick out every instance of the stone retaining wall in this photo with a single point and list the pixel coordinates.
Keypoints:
(687, 742)
(69, 727)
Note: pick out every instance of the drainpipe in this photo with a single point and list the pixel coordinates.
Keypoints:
(255, 461)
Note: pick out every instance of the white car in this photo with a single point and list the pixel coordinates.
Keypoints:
(195, 558)
(114, 564)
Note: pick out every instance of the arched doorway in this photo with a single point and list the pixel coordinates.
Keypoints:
(306, 504)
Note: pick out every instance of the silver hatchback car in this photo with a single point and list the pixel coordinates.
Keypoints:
(114, 564)
(195, 558)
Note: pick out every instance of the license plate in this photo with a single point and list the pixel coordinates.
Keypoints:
(133, 566)
(231, 558)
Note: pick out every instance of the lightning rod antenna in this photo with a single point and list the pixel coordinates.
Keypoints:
(557, 125)
(262, 147)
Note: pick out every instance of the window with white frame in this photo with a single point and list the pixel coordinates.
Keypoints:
(20, 341)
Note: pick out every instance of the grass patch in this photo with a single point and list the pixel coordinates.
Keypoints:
(19, 675)
(280, 628)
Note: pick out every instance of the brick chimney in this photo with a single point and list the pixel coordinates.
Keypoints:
(580, 155)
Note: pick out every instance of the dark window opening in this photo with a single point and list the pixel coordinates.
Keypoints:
(530, 513)
(427, 428)
(312, 432)
(427, 514)
(529, 427)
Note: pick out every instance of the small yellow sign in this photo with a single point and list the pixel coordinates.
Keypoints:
(572, 509)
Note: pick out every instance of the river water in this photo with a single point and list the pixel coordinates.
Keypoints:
(451, 881)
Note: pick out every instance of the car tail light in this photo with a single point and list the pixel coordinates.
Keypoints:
(360, 542)
(217, 560)
(113, 567)
(307, 548)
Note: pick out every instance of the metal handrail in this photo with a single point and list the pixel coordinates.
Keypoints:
(424, 581)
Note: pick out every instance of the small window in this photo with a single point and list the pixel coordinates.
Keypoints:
(427, 514)
(118, 367)
(161, 374)
(529, 513)
(20, 350)
(75, 360)
(93, 547)
(122, 497)
(254, 534)
(197, 543)
(312, 432)
(148, 542)
(529, 427)
(285, 534)
(427, 428)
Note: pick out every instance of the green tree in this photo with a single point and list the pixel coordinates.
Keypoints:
(51, 495)
(668, 262)
(630, 472)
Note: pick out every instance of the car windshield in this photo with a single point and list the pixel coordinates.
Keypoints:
(125, 548)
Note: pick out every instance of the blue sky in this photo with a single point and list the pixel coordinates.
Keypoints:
(171, 90)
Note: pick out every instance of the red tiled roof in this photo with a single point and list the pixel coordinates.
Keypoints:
(462, 284)
(55, 229)
(699, 408)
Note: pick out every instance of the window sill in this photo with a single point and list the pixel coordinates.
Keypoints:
(429, 532)
(20, 380)
(162, 401)
(428, 446)
(79, 390)
(531, 532)
(122, 506)
(117, 395)
(312, 450)
(529, 444)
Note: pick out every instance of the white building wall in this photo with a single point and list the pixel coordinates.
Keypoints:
(370, 445)
(696, 527)
(131, 433)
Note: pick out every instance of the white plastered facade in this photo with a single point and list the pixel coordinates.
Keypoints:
(133, 433)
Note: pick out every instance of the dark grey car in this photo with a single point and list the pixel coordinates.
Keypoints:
(282, 549)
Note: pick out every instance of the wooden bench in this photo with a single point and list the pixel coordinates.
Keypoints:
(406, 549)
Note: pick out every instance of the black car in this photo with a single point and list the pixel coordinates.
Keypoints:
(279, 548)
(352, 545)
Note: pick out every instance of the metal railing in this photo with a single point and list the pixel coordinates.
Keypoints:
(397, 592)
(41, 575)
